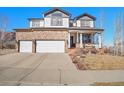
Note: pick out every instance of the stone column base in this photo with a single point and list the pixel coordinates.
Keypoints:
(17, 46)
(66, 47)
(77, 45)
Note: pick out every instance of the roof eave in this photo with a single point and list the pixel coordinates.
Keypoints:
(85, 14)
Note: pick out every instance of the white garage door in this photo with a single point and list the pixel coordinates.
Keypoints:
(26, 46)
(50, 46)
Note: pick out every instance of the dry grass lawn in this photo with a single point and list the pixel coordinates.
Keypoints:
(104, 62)
(108, 84)
(7, 51)
(96, 61)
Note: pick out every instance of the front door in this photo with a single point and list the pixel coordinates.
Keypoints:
(71, 41)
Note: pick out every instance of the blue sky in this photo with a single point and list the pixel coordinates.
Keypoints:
(17, 17)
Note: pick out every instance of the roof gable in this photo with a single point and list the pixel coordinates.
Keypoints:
(85, 15)
(54, 10)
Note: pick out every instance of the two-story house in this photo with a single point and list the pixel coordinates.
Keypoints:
(56, 32)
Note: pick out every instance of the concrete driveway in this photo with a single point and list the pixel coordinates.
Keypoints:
(27, 68)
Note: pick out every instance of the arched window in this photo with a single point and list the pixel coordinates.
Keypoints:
(56, 19)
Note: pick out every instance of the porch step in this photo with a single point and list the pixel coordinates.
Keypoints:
(89, 45)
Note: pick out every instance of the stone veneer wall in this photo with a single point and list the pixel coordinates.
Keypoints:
(42, 35)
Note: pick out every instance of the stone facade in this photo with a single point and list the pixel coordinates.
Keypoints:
(34, 35)
(43, 35)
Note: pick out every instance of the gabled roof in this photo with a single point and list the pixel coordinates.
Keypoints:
(85, 14)
(56, 9)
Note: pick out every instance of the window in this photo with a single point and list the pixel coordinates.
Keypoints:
(85, 23)
(86, 38)
(56, 19)
(35, 23)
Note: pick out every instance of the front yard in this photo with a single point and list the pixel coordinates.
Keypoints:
(97, 61)
(7, 51)
(108, 84)
(104, 62)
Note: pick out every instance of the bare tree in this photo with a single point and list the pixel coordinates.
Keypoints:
(3, 27)
(122, 34)
(115, 36)
(101, 23)
(119, 34)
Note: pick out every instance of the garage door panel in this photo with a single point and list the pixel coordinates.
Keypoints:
(50, 43)
(50, 46)
(26, 46)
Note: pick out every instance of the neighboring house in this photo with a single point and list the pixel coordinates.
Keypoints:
(56, 32)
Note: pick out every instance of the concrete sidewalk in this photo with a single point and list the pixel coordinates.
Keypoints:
(88, 77)
(68, 77)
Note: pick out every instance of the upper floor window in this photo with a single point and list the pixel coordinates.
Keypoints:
(56, 19)
(85, 23)
(35, 23)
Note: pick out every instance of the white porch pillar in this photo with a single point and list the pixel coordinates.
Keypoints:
(68, 40)
(81, 45)
(77, 38)
(100, 40)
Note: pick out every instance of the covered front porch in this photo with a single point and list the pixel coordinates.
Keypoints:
(84, 39)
